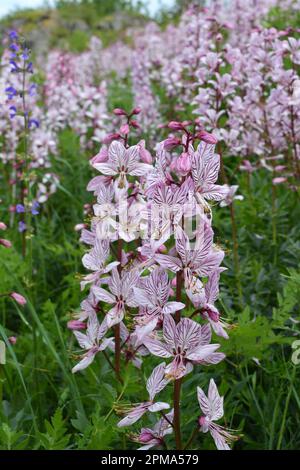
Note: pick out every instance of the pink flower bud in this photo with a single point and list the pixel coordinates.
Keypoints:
(207, 137)
(5, 243)
(171, 142)
(175, 126)
(12, 340)
(186, 123)
(279, 180)
(124, 129)
(183, 163)
(162, 249)
(110, 137)
(136, 110)
(18, 298)
(76, 325)
(173, 282)
(119, 112)
(135, 124)
(279, 167)
(3, 226)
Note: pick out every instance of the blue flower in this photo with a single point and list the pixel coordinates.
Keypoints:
(22, 226)
(14, 66)
(11, 92)
(13, 112)
(35, 208)
(33, 123)
(20, 208)
(13, 35)
(32, 89)
(29, 68)
(14, 47)
(25, 54)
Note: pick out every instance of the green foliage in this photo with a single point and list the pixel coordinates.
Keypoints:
(288, 300)
(12, 440)
(55, 437)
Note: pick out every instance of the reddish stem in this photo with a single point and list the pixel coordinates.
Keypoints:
(177, 383)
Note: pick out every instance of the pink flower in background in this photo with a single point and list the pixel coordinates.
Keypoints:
(231, 196)
(5, 243)
(18, 298)
(12, 340)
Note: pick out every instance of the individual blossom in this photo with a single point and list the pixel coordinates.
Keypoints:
(95, 260)
(182, 342)
(123, 162)
(205, 170)
(212, 408)
(208, 310)
(194, 263)
(155, 384)
(153, 298)
(92, 342)
(133, 347)
(231, 196)
(121, 294)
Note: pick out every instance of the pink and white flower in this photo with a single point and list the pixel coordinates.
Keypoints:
(155, 384)
(212, 407)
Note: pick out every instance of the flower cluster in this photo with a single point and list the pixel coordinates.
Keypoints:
(154, 270)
